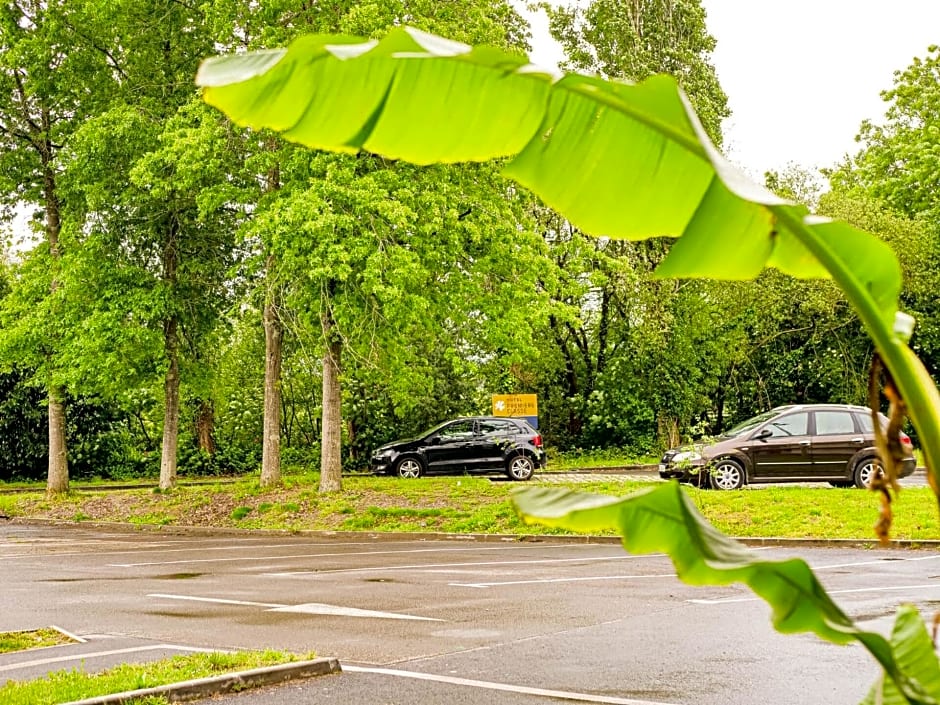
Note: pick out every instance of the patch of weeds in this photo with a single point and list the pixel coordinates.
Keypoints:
(32, 639)
(240, 513)
(80, 516)
(289, 507)
(151, 520)
(265, 507)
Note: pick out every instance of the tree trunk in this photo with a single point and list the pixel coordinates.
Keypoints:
(668, 428)
(171, 410)
(273, 343)
(171, 383)
(331, 437)
(58, 478)
(205, 426)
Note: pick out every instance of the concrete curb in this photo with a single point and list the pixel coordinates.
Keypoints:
(762, 541)
(217, 685)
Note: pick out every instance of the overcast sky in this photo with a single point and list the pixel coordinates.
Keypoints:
(801, 75)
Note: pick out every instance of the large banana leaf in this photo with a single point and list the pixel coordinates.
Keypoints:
(619, 160)
(914, 651)
(664, 520)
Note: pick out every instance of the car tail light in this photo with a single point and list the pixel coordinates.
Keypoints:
(905, 439)
(537, 440)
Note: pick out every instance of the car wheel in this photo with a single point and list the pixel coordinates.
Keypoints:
(727, 474)
(520, 467)
(409, 468)
(865, 471)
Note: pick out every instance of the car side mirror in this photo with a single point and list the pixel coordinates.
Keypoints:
(762, 434)
(434, 440)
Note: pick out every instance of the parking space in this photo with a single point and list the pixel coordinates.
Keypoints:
(541, 617)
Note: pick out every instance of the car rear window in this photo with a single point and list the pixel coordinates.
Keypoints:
(831, 423)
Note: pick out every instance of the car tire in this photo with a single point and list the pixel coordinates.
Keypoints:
(520, 468)
(409, 468)
(864, 472)
(726, 474)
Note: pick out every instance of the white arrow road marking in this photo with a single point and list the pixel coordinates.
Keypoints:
(319, 608)
(308, 608)
(560, 694)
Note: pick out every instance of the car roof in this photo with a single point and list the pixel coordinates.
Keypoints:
(810, 407)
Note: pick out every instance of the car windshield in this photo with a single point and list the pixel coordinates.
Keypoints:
(749, 425)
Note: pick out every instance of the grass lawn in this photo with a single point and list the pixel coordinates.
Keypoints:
(72, 685)
(468, 505)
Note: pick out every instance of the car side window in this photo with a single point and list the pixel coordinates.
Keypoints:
(490, 426)
(458, 429)
(832, 423)
(790, 425)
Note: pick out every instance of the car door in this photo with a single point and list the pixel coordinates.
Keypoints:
(495, 434)
(448, 451)
(836, 438)
(781, 448)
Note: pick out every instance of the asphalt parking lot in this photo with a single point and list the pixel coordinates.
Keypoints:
(454, 621)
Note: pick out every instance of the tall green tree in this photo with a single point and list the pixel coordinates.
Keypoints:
(47, 90)
(636, 39)
(897, 163)
(153, 175)
(625, 309)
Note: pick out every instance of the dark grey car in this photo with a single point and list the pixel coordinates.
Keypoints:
(832, 443)
(478, 444)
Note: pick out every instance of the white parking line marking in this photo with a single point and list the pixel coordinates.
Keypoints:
(877, 561)
(96, 654)
(831, 592)
(561, 580)
(322, 555)
(489, 685)
(187, 546)
(423, 566)
(308, 608)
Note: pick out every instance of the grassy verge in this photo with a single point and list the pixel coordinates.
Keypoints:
(68, 686)
(469, 505)
(31, 639)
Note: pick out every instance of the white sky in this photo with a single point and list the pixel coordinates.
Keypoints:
(801, 75)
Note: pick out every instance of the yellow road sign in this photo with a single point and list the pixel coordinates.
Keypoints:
(515, 405)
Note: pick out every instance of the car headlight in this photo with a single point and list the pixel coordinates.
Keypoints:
(686, 456)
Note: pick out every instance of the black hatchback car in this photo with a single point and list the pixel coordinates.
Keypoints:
(832, 443)
(478, 444)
